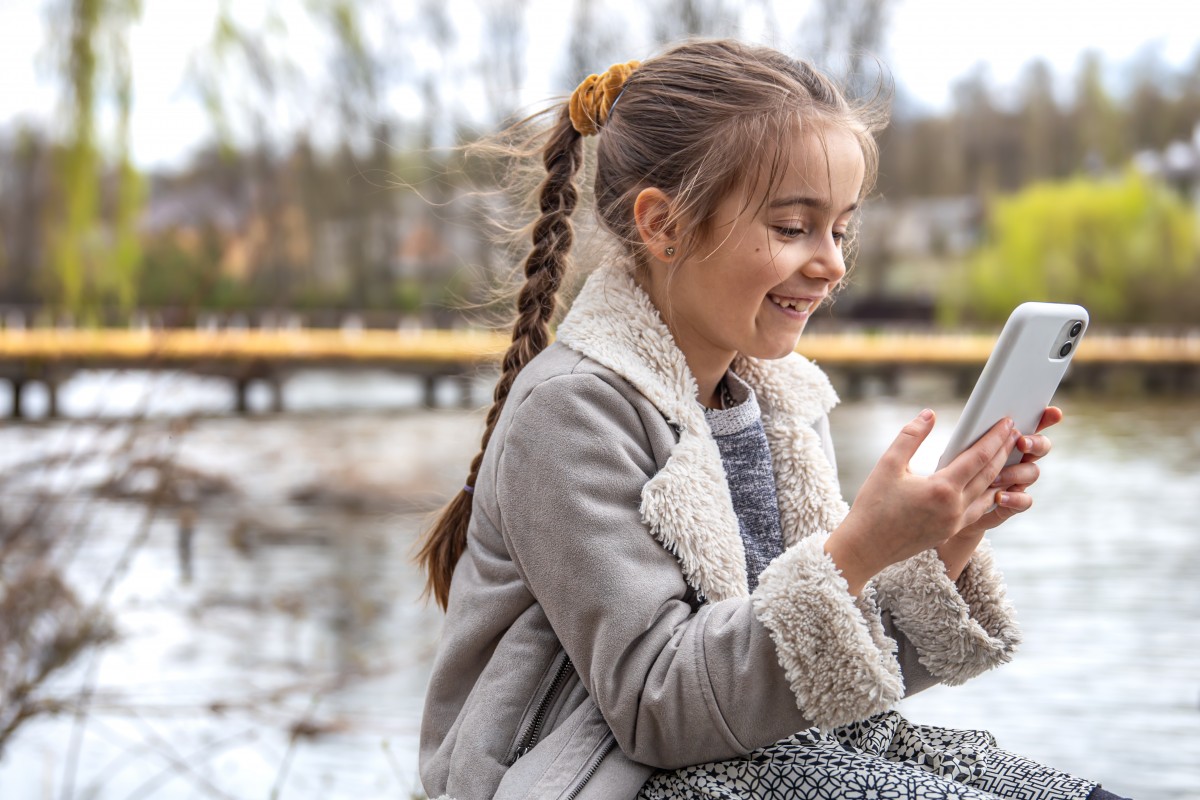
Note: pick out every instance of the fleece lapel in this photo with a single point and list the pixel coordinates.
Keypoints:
(794, 393)
(687, 504)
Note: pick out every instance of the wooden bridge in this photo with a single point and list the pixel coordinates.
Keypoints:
(51, 356)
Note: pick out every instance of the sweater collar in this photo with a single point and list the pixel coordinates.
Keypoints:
(687, 504)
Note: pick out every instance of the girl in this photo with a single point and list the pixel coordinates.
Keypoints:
(653, 586)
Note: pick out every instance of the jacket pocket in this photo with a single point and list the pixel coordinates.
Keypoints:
(578, 760)
(534, 722)
(590, 768)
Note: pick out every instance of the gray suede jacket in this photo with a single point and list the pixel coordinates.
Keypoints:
(600, 624)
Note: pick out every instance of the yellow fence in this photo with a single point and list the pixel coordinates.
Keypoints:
(466, 348)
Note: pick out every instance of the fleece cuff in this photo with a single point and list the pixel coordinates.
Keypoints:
(838, 660)
(960, 629)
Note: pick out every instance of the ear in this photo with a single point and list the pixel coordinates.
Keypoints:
(652, 213)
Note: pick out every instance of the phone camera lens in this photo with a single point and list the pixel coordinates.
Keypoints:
(1075, 330)
(1062, 351)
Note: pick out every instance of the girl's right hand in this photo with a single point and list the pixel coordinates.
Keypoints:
(898, 514)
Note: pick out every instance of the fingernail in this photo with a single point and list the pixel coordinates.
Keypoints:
(1011, 424)
(1026, 443)
(1001, 498)
(927, 414)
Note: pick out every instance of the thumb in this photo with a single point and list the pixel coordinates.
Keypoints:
(911, 435)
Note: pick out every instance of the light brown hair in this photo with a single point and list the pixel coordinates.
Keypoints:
(696, 122)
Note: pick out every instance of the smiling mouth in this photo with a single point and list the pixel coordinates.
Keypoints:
(801, 304)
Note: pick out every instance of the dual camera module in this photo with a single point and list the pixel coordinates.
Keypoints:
(1070, 333)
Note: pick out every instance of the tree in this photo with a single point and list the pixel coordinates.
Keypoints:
(678, 19)
(846, 35)
(1039, 119)
(593, 44)
(94, 263)
(1127, 249)
(1096, 123)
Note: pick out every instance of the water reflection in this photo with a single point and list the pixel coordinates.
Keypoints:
(295, 658)
(1105, 574)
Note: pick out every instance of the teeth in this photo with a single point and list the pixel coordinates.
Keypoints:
(796, 304)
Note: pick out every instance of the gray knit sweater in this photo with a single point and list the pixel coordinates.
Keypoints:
(740, 437)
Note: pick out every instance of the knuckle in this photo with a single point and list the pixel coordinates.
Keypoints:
(943, 495)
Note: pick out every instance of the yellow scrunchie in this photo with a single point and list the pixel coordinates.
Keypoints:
(593, 99)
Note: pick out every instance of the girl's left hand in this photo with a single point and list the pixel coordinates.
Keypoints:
(1013, 480)
(1011, 498)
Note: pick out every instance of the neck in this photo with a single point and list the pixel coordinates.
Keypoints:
(707, 365)
(710, 392)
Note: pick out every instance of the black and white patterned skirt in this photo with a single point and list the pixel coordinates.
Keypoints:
(883, 758)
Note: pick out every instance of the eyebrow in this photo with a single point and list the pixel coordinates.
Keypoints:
(810, 202)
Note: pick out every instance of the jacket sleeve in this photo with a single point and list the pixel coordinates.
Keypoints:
(959, 628)
(946, 632)
(677, 685)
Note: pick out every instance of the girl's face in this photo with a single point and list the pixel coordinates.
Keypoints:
(754, 280)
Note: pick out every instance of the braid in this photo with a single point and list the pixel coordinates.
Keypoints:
(545, 266)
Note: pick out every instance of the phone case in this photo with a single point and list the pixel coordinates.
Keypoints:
(1020, 375)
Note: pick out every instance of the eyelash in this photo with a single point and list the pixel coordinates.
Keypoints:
(792, 233)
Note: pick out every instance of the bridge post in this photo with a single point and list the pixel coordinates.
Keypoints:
(18, 387)
(465, 384)
(276, 394)
(52, 398)
(429, 400)
(239, 388)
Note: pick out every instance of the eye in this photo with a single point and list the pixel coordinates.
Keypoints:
(788, 232)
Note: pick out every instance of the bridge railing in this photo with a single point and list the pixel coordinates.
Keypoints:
(52, 355)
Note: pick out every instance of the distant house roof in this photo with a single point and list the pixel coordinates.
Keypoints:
(195, 206)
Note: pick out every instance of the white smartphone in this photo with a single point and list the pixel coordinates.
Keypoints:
(1020, 376)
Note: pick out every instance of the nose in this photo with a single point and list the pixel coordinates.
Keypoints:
(827, 262)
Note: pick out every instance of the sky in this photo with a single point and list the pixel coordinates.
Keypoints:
(930, 44)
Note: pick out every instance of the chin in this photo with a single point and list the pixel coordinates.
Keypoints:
(774, 350)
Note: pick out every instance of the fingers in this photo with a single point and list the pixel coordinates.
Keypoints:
(1034, 447)
(1023, 473)
(979, 457)
(1011, 503)
(986, 477)
(1008, 505)
(911, 435)
(1051, 416)
(1007, 490)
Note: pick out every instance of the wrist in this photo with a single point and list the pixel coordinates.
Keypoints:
(851, 559)
(957, 551)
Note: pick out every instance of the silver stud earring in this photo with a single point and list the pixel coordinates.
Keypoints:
(670, 251)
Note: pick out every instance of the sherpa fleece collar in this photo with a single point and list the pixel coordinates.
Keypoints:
(687, 504)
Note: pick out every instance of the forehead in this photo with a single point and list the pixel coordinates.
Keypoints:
(816, 166)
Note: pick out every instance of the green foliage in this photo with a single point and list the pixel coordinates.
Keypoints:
(1127, 249)
(409, 296)
(175, 275)
(95, 261)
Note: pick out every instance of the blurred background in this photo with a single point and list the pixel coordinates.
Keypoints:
(248, 321)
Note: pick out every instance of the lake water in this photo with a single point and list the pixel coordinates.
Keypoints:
(281, 650)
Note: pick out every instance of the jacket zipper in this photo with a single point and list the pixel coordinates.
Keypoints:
(591, 770)
(533, 730)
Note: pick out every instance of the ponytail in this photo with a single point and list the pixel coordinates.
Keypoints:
(443, 544)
